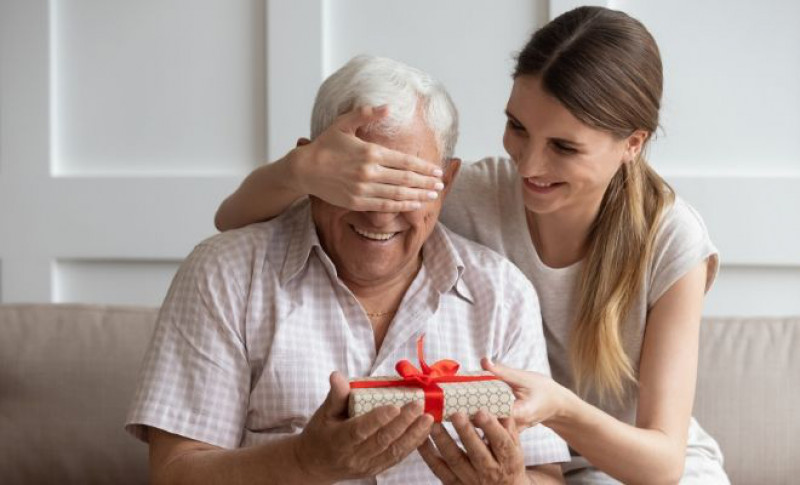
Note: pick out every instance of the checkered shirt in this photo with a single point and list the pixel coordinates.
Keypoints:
(256, 320)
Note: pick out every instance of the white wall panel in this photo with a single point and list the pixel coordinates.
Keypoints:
(112, 282)
(469, 45)
(123, 124)
(753, 290)
(731, 100)
(157, 87)
(154, 202)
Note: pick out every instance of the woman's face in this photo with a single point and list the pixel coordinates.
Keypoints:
(564, 163)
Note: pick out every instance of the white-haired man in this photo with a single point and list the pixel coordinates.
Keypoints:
(257, 320)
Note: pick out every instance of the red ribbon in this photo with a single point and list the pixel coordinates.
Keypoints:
(426, 379)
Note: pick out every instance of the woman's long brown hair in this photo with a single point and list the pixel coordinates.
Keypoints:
(605, 68)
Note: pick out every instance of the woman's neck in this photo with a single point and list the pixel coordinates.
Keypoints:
(560, 237)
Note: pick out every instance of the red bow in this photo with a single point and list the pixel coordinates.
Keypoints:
(426, 379)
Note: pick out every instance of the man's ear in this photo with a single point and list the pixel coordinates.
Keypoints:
(303, 141)
(453, 165)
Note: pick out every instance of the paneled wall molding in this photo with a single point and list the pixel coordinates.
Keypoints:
(295, 66)
(82, 201)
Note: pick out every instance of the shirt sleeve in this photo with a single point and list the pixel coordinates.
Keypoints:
(195, 378)
(524, 347)
(681, 244)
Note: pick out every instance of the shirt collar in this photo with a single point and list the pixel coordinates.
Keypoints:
(441, 259)
(444, 264)
(301, 239)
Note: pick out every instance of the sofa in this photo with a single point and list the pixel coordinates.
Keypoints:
(68, 372)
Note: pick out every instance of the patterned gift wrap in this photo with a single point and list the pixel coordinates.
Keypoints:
(494, 396)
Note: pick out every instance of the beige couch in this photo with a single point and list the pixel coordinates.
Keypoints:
(67, 373)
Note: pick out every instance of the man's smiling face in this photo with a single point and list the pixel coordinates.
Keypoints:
(372, 248)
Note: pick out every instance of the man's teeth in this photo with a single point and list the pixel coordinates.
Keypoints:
(378, 236)
(542, 185)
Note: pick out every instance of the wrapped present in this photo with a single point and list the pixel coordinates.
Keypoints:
(443, 391)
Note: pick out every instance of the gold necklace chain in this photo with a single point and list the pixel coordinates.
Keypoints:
(380, 314)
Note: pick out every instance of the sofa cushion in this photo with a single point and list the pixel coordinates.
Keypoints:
(748, 395)
(67, 376)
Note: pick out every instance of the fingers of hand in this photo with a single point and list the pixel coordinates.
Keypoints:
(374, 204)
(408, 163)
(336, 401)
(435, 462)
(477, 451)
(385, 436)
(511, 427)
(406, 178)
(362, 428)
(500, 440)
(452, 455)
(406, 443)
(513, 377)
(360, 117)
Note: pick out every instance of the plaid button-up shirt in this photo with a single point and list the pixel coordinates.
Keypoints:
(256, 319)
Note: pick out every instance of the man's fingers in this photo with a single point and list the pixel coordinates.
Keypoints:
(437, 465)
(403, 445)
(510, 426)
(362, 428)
(477, 451)
(452, 455)
(500, 440)
(335, 405)
(387, 435)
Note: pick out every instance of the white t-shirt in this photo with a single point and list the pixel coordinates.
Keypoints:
(486, 205)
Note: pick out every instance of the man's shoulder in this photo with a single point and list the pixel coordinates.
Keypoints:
(483, 264)
(257, 244)
(261, 234)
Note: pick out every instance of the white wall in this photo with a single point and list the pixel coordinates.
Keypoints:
(123, 124)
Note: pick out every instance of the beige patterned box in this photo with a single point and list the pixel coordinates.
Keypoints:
(494, 396)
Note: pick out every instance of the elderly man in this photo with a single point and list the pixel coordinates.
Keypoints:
(233, 388)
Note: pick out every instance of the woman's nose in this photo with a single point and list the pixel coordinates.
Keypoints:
(531, 162)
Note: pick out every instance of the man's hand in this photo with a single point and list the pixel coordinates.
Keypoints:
(496, 458)
(333, 447)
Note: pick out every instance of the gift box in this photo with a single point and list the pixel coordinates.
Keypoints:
(439, 386)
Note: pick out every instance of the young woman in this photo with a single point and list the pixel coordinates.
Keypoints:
(621, 265)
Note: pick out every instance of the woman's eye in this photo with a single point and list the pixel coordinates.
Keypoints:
(567, 150)
(514, 125)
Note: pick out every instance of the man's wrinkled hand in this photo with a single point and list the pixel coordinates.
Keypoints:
(333, 447)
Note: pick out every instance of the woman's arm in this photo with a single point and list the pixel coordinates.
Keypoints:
(339, 168)
(654, 450)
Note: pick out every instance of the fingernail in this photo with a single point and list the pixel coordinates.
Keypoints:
(433, 195)
(438, 186)
(438, 172)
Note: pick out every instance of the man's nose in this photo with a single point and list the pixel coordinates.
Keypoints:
(380, 219)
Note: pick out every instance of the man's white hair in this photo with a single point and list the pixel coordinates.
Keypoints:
(375, 81)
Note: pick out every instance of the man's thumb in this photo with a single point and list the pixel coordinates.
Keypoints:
(336, 403)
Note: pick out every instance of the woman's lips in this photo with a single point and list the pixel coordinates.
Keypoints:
(540, 187)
